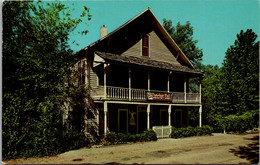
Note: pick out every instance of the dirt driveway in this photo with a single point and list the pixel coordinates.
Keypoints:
(216, 149)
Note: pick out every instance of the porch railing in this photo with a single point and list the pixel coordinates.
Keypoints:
(193, 97)
(162, 131)
(117, 93)
(178, 97)
(140, 95)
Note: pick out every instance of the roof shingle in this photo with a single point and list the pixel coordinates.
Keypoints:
(109, 57)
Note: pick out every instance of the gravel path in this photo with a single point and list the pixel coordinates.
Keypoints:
(214, 149)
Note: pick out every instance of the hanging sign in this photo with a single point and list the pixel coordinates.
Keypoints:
(156, 96)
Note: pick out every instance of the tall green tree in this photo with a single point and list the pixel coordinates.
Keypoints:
(241, 74)
(212, 95)
(36, 61)
(183, 36)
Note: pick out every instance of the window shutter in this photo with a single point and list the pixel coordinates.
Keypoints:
(145, 45)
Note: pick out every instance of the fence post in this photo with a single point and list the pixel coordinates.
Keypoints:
(162, 131)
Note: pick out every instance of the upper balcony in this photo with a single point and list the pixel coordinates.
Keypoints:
(134, 79)
(131, 94)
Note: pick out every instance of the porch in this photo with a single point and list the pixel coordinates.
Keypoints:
(135, 117)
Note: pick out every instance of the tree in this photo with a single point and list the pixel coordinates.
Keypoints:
(36, 62)
(241, 75)
(183, 36)
(212, 95)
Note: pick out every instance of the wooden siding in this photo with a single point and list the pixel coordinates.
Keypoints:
(97, 92)
(158, 51)
(135, 50)
(93, 79)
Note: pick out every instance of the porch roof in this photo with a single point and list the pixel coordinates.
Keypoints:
(109, 57)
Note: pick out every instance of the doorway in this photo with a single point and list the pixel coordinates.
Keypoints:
(141, 119)
(178, 118)
(163, 117)
(123, 121)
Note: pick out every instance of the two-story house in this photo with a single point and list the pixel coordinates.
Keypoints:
(139, 77)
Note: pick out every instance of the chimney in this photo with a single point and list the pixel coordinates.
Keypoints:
(103, 31)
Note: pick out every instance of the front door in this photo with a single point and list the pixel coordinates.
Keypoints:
(142, 119)
(163, 117)
(178, 118)
(123, 121)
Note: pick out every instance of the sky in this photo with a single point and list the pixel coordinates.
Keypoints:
(215, 22)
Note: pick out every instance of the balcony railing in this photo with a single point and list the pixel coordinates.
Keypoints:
(119, 93)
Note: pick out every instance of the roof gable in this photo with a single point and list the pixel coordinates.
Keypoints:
(131, 29)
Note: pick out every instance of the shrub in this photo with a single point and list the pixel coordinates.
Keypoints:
(240, 123)
(190, 131)
(113, 138)
(149, 135)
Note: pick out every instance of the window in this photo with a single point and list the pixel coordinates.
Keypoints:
(145, 45)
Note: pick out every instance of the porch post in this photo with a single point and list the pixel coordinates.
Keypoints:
(200, 112)
(97, 117)
(200, 91)
(149, 82)
(105, 82)
(185, 86)
(169, 112)
(168, 82)
(105, 117)
(148, 116)
(129, 82)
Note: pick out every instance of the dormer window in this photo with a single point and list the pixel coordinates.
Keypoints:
(145, 45)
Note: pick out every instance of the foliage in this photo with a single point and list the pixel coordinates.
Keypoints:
(183, 36)
(212, 95)
(191, 131)
(230, 93)
(36, 58)
(241, 74)
(241, 123)
(113, 138)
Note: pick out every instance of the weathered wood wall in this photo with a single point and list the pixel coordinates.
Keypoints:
(158, 51)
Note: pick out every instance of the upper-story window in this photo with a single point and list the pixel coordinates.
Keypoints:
(145, 45)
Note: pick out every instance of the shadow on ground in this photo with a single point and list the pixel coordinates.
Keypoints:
(249, 152)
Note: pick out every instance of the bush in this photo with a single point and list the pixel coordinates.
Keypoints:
(149, 135)
(190, 131)
(240, 123)
(113, 138)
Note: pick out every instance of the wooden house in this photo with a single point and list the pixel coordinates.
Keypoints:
(139, 77)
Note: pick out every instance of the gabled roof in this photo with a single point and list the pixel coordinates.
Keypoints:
(109, 57)
(160, 29)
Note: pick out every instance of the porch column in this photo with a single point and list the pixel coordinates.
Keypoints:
(105, 117)
(149, 82)
(200, 90)
(169, 112)
(105, 81)
(129, 82)
(148, 116)
(200, 112)
(185, 86)
(168, 82)
(97, 117)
